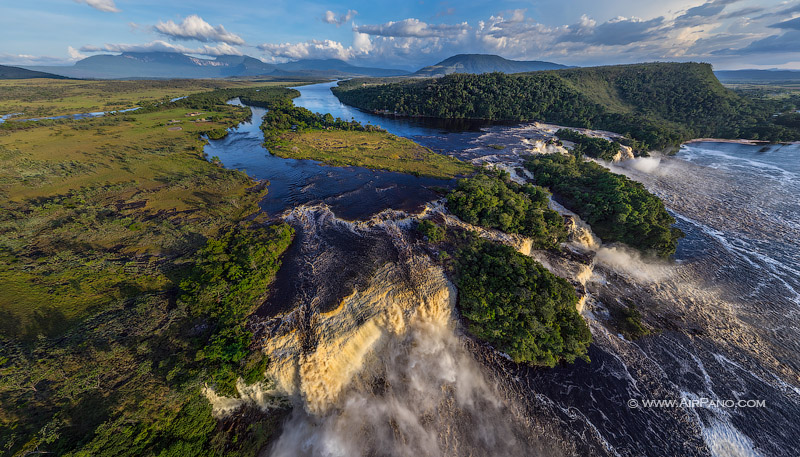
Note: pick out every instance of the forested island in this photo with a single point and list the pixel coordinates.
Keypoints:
(657, 104)
(513, 302)
(491, 199)
(508, 299)
(617, 208)
(598, 148)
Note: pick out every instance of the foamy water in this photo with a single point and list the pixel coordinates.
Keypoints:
(725, 321)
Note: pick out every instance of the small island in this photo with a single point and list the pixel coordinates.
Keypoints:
(297, 133)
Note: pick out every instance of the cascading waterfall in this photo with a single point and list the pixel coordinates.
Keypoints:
(385, 372)
(372, 370)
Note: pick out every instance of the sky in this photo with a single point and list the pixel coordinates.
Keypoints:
(729, 34)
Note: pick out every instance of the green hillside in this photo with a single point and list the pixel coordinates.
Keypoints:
(7, 72)
(658, 104)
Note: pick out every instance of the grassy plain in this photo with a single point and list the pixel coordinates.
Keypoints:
(102, 351)
(375, 150)
(54, 97)
(81, 196)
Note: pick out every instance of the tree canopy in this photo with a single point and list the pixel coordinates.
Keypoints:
(514, 303)
(617, 208)
(492, 200)
(657, 104)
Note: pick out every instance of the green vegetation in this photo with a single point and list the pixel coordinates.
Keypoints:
(431, 231)
(265, 97)
(284, 116)
(297, 133)
(617, 208)
(599, 148)
(128, 380)
(45, 97)
(128, 277)
(231, 273)
(657, 104)
(514, 303)
(506, 298)
(628, 321)
(493, 200)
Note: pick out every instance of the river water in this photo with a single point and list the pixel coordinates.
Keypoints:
(352, 192)
(725, 313)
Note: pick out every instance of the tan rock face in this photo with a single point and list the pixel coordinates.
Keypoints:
(355, 332)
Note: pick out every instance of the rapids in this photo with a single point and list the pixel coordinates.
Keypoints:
(365, 342)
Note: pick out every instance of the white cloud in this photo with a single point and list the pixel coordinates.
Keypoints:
(162, 46)
(361, 43)
(785, 43)
(690, 34)
(314, 49)
(331, 18)
(716, 31)
(74, 54)
(107, 6)
(195, 28)
(412, 28)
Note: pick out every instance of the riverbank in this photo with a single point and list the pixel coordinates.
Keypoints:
(723, 140)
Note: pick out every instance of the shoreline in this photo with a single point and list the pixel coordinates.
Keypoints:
(725, 140)
(737, 141)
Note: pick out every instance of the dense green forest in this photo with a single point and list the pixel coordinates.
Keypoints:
(283, 115)
(617, 208)
(599, 148)
(491, 199)
(656, 104)
(264, 97)
(518, 306)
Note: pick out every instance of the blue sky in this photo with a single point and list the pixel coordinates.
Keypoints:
(409, 34)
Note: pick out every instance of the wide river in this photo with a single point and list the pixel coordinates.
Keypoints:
(728, 309)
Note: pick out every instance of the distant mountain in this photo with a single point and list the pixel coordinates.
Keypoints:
(7, 72)
(336, 67)
(175, 65)
(758, 76)
(484, 63)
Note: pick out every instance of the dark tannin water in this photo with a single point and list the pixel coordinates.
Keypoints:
(726, 312)
(352, 192)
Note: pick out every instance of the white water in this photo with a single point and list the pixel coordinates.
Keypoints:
(727, 331)
(387, 372)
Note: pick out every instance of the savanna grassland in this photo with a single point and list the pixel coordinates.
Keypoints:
(129, 265)
(51, 97)
(375, 150)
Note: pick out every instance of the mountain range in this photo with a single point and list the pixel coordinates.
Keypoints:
(175, 65)
(143, 65)
(484, 63)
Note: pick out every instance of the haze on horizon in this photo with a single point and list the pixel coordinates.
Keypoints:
(730, 34)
